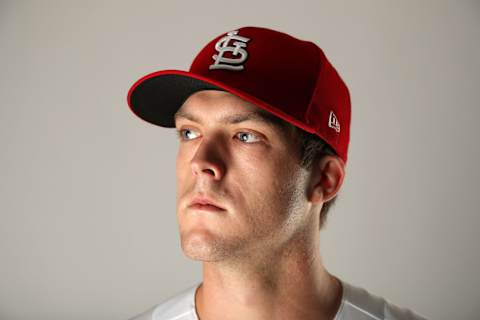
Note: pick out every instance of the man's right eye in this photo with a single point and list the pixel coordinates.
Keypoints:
(186, 134)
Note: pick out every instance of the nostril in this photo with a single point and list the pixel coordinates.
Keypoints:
(210, 171)
(207, 168)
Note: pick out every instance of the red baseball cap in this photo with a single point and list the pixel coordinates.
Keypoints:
(286, 76)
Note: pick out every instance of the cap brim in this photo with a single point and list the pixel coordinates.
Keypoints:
(156, 97)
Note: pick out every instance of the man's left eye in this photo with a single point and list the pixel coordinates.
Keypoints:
(248, 137)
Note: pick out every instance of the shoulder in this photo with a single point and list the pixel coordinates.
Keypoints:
(359, 304)
(178, 307)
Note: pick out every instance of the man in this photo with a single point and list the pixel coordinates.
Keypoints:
(263, 123)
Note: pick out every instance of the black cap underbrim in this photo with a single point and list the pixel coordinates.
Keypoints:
(156, 99)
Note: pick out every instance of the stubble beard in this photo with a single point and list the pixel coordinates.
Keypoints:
(207, 247)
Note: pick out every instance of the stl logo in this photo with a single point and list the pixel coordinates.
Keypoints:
(222, 46)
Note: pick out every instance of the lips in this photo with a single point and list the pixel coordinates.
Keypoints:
(205, 204)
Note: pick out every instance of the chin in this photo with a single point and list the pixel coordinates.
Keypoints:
(202, 245)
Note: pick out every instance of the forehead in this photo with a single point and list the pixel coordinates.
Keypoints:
(224, 107)
(216, 100)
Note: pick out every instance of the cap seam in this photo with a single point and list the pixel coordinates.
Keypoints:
(314, 91)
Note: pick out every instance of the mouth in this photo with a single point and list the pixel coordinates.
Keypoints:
(205, 207)
(205, 204)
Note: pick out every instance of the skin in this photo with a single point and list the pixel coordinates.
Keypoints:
(260, 256)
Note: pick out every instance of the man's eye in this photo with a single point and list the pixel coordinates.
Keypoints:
(248, 137)
(186, 134)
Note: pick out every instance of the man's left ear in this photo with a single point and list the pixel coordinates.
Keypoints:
(327, 177)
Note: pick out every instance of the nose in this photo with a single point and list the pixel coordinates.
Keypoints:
(208, 161)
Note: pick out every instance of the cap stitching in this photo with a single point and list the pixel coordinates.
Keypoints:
(314, 91)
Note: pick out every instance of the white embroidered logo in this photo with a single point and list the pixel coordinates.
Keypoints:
(333, 122)
(222, 46)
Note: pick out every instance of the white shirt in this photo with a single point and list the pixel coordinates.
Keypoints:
(357, 304)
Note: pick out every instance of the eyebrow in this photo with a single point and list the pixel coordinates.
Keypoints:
(257, 116)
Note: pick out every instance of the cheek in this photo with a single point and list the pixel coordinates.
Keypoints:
(182, 162)
(267, 170)
(271, 185)
(182, 171)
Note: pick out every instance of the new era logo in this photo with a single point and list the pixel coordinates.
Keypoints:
(333, 122)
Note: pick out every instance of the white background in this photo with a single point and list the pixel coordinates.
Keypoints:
(87, 190)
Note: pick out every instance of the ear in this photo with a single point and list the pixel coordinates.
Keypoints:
(327, 177)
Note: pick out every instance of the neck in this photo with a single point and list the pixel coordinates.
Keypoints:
(291, 283)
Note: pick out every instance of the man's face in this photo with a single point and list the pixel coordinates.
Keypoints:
(248, 167)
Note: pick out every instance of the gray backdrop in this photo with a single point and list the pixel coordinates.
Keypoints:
(88, 227)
